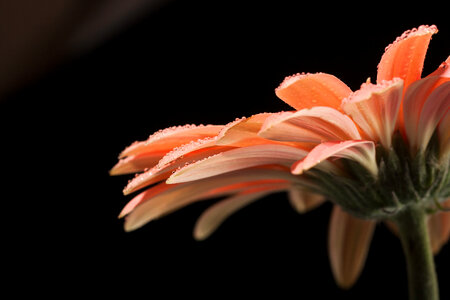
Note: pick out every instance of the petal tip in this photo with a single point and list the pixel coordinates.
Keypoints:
(421, 30)
(291, 79)
(367, 89)
(200, 235)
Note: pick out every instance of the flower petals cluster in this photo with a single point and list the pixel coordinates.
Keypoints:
(331, 137)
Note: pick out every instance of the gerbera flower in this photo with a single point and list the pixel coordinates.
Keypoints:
(379, 154)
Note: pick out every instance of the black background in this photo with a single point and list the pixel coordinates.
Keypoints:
(197, 62)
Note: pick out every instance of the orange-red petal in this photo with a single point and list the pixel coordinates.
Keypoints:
(405, 57)
(309, 90)
(169, 138)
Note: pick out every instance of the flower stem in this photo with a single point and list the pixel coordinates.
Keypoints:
(422, 279)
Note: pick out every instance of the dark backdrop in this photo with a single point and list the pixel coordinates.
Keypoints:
(188, 62)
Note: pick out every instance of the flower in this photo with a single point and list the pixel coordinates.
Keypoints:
(372, 152)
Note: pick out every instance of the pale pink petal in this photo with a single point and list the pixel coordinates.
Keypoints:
(169, 138)
(303, 201)
(309, 90)
(361, 151)
(237, 159)
(150, 204)
(444, 135)
(214, 216)
(314, 125)
(173, 160)
(349, 240)
(243, 132)
(416, 96)
(375, 109)
(435, 108)
(404, 58)
(439, 228)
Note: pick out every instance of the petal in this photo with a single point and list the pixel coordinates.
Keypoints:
(141, 162)
(348, 244)
(164, 198)
(180, 152)
(375, 108)
(237, 159)
(169, 138)
(224, 188)
(439, 228)
(360, 151)
(404, 58)
(137, 163)
(213, 217)
(144, 196)
(314, 125)
(416, 96)
(308, 90)
(303, 201)
(435, 108)
(244, 132)
(169, 163)
(444, 135)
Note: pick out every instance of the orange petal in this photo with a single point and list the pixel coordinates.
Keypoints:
(348, 244)
(303, 201)
(136, 163)
(167, 198)
(214, 216)
(360, 151)
(165, 140)
(375, 108)
(314, 125)
(238, 159)
(308, 90)
(404, 58)
(435, 108)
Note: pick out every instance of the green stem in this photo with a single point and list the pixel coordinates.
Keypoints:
(413, 230)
